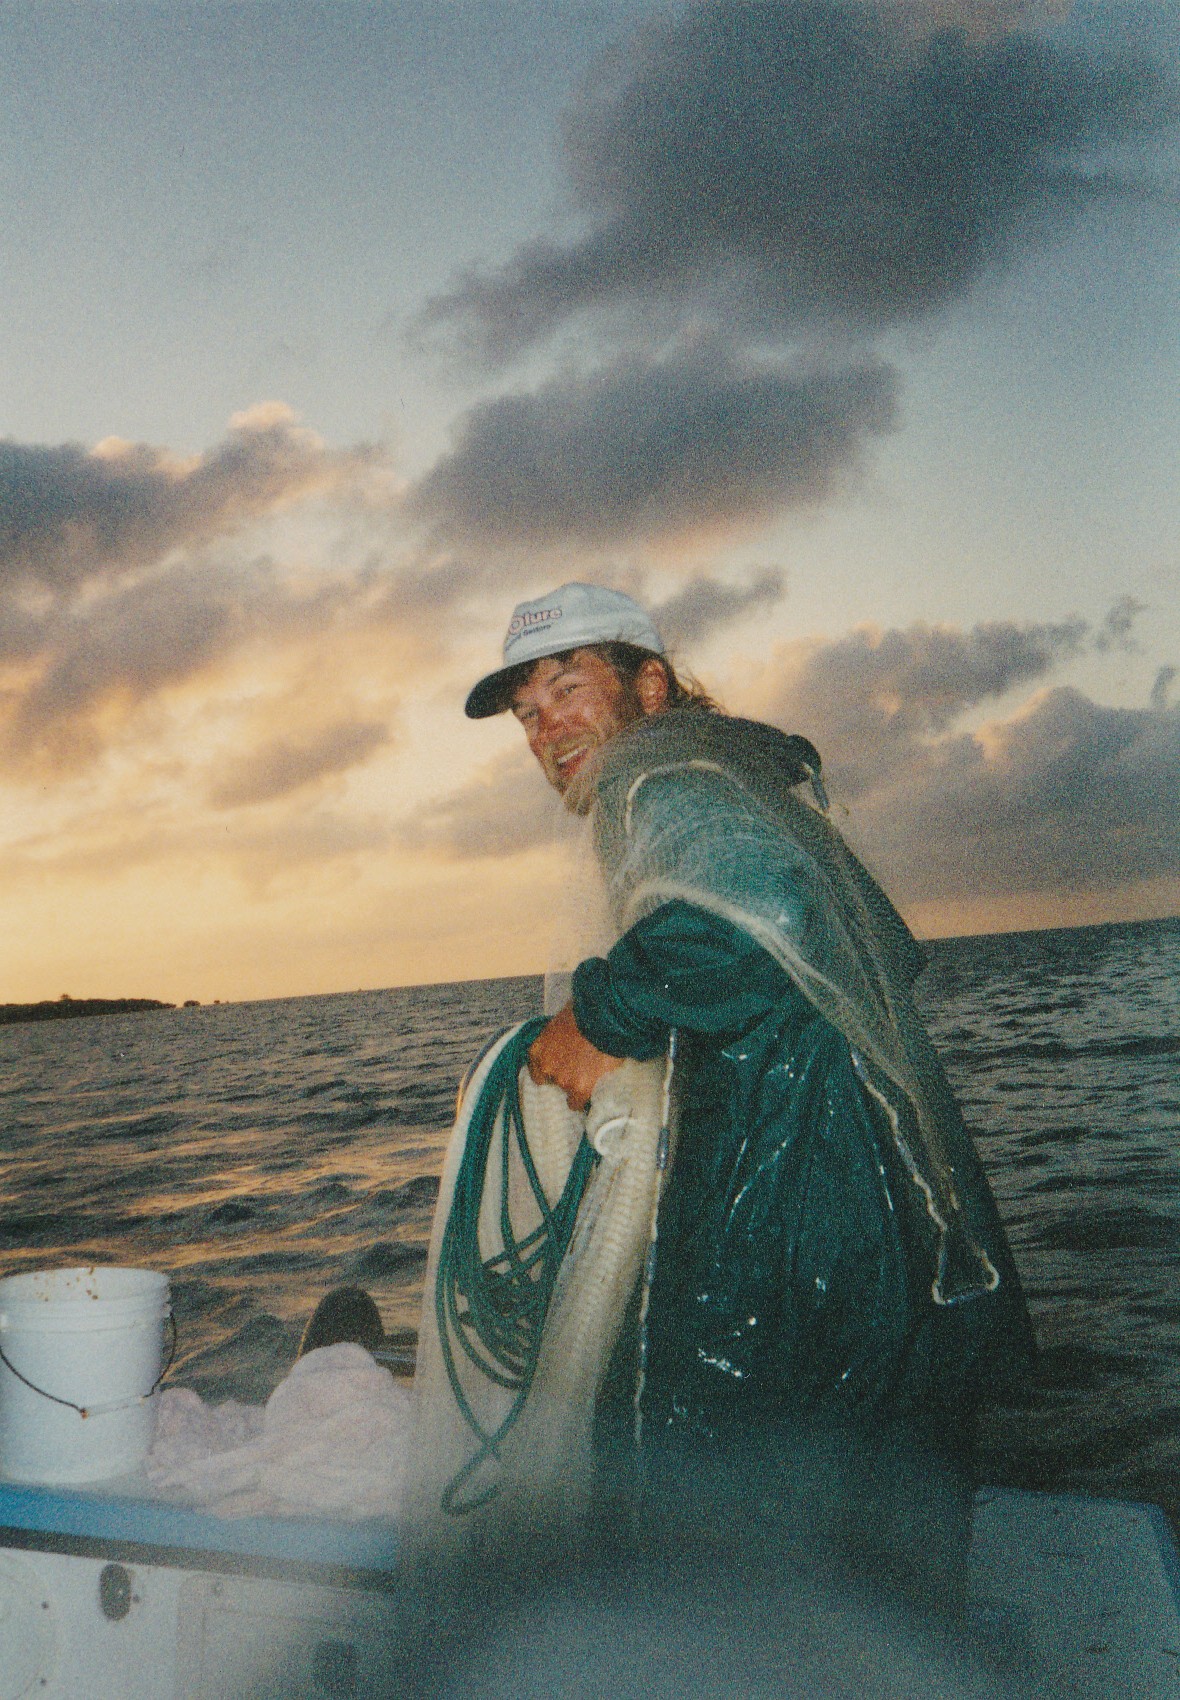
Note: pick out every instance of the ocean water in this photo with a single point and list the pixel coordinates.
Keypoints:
(262, 1153)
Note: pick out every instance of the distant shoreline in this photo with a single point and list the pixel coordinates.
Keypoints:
(70, 1009)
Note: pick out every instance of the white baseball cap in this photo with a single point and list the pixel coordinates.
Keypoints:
(570, 617)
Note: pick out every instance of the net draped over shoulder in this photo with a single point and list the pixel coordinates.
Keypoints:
(829, 1245)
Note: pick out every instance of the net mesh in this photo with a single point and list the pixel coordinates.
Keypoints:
(705, 808)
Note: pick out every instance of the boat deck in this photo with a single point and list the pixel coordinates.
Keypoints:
(1089, 1589)
(110, 1593)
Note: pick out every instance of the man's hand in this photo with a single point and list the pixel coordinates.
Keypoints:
(559, 1056)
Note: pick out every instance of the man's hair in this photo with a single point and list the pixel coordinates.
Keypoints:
(625, 661)
(627, 658)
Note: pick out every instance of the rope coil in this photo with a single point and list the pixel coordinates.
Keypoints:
(492, 1310)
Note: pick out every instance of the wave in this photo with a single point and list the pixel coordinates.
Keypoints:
(1056, 1050)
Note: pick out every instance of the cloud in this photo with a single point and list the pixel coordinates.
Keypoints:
(1117, 629)
(706, 605)
(873, 701)
(1067, 795)
(1161, 685)
(759, 193)
(1060, 794)
(69, 514)
(651, 448)
(132, 642)
(100, 659)
(506, 809)
(110, 841)
(289, 764)
(813, 162)
(123, 575)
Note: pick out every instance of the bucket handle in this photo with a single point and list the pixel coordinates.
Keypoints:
(116, 1404)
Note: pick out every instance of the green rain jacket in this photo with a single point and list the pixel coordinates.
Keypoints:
(817, 1264)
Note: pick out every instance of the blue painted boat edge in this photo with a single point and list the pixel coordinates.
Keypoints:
(118, 1522)
(196, 1559)
(61, 1516)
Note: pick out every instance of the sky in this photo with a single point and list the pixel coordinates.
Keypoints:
(844, 335)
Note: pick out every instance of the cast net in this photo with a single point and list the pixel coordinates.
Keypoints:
(701, 807)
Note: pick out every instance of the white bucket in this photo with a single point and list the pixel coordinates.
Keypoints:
(89, 1344)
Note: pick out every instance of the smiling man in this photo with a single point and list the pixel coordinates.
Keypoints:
(833, 1293)
(580, 665)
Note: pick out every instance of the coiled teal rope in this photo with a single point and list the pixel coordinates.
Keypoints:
(494, 1311)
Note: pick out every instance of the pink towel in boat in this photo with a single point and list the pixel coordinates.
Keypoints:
(332, 1438)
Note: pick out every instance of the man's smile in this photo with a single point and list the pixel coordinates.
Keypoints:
(564, 757)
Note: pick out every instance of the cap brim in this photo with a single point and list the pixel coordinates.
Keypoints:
(490, 696)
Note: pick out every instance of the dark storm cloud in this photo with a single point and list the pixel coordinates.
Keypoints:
(873, 701)
(70, 514)
(288, 764)
(652, 448)
(705, 605)
(819, 160)
(1066, 795)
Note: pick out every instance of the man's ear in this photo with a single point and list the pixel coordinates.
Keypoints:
(651, 686)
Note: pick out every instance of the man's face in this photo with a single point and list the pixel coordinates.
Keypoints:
(570, 706)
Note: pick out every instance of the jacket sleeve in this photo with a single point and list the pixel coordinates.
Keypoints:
(681, 967)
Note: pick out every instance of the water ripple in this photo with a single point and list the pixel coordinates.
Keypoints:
(262, 1153)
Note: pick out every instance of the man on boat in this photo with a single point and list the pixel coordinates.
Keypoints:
(832, 1279)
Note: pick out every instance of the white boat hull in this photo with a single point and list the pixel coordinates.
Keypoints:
(110, 1594)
